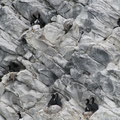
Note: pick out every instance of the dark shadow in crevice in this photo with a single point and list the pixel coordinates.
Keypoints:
(86, 73)
(54, 77)
(3, 4)
(23, 41)
(15, 67)
(1, 78)
(118, 22)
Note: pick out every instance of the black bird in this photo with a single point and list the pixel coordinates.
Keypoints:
(88, 106)
(36, 19)
(94, 105)
(55, 100)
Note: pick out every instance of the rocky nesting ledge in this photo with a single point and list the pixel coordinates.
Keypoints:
(67, 47)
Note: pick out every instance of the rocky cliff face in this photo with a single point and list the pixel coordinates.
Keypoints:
(75, 50)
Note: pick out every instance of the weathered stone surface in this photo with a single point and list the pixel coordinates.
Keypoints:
(85, 63)
(27, 101)
(27, 8)
(13, 26)
(103, 114)
(75, 53)
(7, 112)
(53, 33)
(6, 42)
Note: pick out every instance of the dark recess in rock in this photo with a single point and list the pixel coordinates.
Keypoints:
(23, 41)
(86, 72)
(15, 67)
(67, 28)
(19, 114)
(118, 22)
(2, 4)
(0, 78)
(54, 77)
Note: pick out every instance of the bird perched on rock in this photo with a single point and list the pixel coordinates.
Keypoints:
(94, 105)
(88, 109)
(37, 20)
(88, 106)
(55, 100)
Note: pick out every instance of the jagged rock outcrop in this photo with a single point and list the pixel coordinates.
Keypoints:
(76, 52)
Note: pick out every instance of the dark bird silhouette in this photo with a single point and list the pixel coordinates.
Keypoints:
(55, 100)
(37, 20)
(94, 105)
(88, 106)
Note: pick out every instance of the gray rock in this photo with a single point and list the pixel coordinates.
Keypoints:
(47, 77)
(33, 6)
(99, 55)
(56, 69)
(2, 89)
(7, 112)
(53, 33)
(15, 26)
(76, 53)
(103, 114)
(85, 63)
(27, 101)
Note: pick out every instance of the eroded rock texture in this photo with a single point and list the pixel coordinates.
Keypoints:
(73, 48)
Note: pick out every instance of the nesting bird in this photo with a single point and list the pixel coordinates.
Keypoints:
(55, 100)
(88, 106)
(91, 106)
(37, 20)
(94, 105)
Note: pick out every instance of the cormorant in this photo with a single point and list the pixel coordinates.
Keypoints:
(36, 19)
(88, 106)
(94, 105)
(55, 100)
